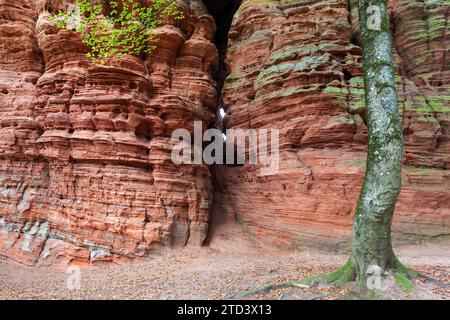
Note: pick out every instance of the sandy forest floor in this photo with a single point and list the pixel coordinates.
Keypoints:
(216, 272)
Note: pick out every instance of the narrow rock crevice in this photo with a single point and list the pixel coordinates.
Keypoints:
(223, 12)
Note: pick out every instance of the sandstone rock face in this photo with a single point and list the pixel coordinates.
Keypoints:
(85, 167)
(296, 66)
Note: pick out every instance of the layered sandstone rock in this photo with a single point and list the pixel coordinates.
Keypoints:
(85, 167)
(296, 66)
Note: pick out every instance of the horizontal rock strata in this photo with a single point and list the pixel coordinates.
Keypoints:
(85, 167)
(296, 66)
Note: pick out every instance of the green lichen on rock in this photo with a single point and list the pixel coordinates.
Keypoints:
(272, 74)
(433, 104)
(357, 82)
(335, 90)
(361, 104)
(424, 171)
(234, 80)
(283, 93)
(293, 52)
(342, 119)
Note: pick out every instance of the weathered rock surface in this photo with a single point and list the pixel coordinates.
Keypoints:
(296, 66)
(85, 168)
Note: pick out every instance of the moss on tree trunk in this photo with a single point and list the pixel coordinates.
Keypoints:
(371, 243)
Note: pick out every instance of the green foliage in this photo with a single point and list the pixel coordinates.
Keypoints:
(338, 278)
(403, 281)
(117, 28)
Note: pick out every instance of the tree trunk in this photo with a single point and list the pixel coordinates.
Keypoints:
(371, 243)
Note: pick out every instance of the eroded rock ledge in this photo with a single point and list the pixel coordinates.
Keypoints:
(296, 66)
(85, 169)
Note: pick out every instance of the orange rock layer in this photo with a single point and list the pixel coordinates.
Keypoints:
(296, 66)
(85, 167)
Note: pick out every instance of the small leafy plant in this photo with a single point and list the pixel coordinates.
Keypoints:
(114, 29)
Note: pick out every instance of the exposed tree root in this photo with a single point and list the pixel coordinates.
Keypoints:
(412, 275)
(268, 288)
(339, 277)
(403, 276)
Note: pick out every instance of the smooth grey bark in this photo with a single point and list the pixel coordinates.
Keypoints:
(371, 243)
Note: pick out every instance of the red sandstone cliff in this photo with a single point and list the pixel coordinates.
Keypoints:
(296, 66)
(85, 169)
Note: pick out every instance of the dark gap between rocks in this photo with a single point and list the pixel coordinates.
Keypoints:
(223, 12)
